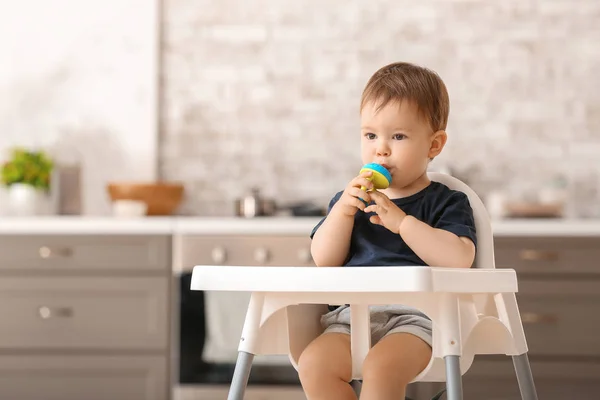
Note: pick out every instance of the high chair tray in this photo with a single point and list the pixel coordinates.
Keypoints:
(353, 279)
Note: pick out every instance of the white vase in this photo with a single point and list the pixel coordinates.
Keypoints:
(25, 200)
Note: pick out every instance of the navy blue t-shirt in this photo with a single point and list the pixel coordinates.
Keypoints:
(437, 205)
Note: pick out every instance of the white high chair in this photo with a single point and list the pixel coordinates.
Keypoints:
(474, 311)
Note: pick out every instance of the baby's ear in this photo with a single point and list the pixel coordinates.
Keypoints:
(438, 141)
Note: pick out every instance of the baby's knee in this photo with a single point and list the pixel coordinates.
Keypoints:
(385, 370)
(312, 363)
(399, 357)
(327, 357)
(309, 365)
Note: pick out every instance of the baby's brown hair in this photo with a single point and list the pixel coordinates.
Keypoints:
(404, 81)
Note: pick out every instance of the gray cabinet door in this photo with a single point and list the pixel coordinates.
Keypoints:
(548, 255)
(245, 250)
(85, 253)
(493, 378)
(25, 377)
(560, 318)
(84, 313)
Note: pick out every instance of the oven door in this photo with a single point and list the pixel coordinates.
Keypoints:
(210, 325)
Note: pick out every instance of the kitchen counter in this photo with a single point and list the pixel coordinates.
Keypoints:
(156, 225)
(67, 225)
(266, 225)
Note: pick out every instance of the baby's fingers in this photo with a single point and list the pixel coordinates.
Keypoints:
(375, 208)
(359, 182)
(375, 220)
(360, 194)
(356, 202)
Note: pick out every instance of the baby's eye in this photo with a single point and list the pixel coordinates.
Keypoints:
(399, 136)
(370, 136)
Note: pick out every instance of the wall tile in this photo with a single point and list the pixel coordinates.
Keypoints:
(265, 93)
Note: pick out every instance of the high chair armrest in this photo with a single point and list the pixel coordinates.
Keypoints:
(353, 279)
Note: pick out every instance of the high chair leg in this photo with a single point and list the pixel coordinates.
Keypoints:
(240, 376)
(247, 348)
(524, 377)
(453, 378)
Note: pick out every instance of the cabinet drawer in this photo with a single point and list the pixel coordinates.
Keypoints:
(81, 377)
(548, 255)
(75, 313)
(85, 253)
(494, 378)
(560, 317)
(246, 250)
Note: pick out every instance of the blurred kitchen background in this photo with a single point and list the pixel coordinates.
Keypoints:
(211, 109)
(225, 96)
(268, 91)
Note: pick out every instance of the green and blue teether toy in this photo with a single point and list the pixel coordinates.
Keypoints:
(381, 177)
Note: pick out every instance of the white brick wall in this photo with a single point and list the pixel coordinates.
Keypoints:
(267, 91)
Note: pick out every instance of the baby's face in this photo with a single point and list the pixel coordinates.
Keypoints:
(398, 138)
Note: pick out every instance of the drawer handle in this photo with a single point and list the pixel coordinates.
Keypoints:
(536, 318)
(538, 255)
(261, 255)
(218, 255)
(58, 312)
(47, 252)
(304, 255)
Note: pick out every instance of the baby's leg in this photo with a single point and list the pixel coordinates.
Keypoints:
(392, 364)
(325, 368)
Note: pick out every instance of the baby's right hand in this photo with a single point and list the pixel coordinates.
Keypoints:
(350, 201)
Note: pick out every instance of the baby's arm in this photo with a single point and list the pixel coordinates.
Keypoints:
(331, 242)
(437, 247)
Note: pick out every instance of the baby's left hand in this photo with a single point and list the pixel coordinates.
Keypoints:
(388, 215)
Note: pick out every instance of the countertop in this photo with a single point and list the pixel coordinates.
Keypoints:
(265, 225)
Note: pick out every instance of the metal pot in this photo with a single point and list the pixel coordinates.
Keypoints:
(253, 205)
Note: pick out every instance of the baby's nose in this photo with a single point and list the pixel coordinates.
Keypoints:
(383, 150)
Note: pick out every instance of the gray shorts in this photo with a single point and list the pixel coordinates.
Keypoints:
(384, 321)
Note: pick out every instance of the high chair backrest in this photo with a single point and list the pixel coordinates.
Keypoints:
(484, 257)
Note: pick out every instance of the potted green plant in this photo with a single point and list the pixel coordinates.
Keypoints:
(27, 175)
